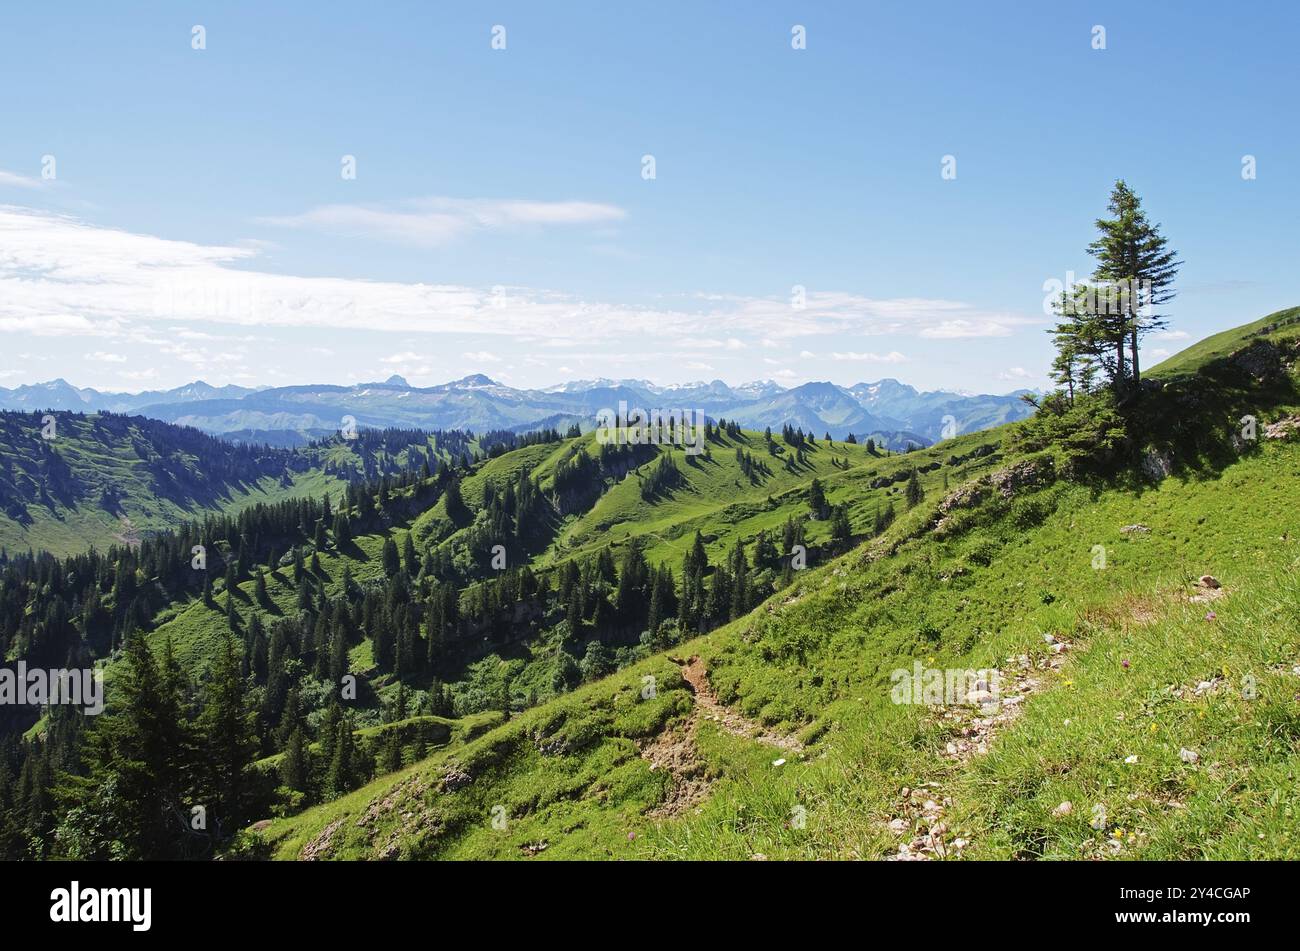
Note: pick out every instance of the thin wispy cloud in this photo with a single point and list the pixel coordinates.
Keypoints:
(14, 180)
(962, 328)
(210, 309)
(60, 275)
(429, 222)
(892, 357)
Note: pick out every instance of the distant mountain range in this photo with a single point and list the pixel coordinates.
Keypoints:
(893, 413)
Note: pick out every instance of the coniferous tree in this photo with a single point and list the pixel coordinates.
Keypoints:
(295, 770)
(817, 499)
(225, 728)
(1136, 260)
(391, 561)
(913, 494)
(841, 528)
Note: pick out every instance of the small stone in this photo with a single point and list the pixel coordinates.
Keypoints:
(1209, 581)
(1188, 756)
(778, 762)
(1063, 810)
(1130, 759)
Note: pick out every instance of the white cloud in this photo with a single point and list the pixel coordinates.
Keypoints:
(14, 180)
(482, 356)
(100, 356)
(892, 357)
(62, 276)
(428, 222)
(960, 328)
(1172, 335)
(47, 324)
(406, 357)
(1015, 373)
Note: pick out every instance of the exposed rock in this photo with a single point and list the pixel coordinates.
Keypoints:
(453, 778)
(1209, 581)
(1029, 473)
(1156, 465)
(964, 497)
(1138, 529)
(320, 846)
(1284, 428)
(1188, 756)
(1261, 360)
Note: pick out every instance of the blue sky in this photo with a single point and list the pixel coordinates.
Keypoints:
(198, 224)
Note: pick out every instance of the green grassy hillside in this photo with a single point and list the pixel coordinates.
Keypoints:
(1143, 712)
(1282, 326)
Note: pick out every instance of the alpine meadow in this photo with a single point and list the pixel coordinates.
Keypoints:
(564, 433)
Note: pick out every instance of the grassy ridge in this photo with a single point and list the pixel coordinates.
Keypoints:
(1279, 326)
(1166, 719)
(820, 667)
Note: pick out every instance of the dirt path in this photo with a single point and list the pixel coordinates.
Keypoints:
(707, 705)
(676, 750)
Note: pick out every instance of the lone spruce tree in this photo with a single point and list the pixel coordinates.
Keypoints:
(1135, 261)
(1103, 321)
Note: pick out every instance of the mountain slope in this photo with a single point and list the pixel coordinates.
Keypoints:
(1158, 717)
(1283, 325)
(104, 479)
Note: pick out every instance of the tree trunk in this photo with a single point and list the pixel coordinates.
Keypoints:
(1133, 353)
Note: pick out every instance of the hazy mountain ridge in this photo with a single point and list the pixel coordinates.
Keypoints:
(892, 412)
